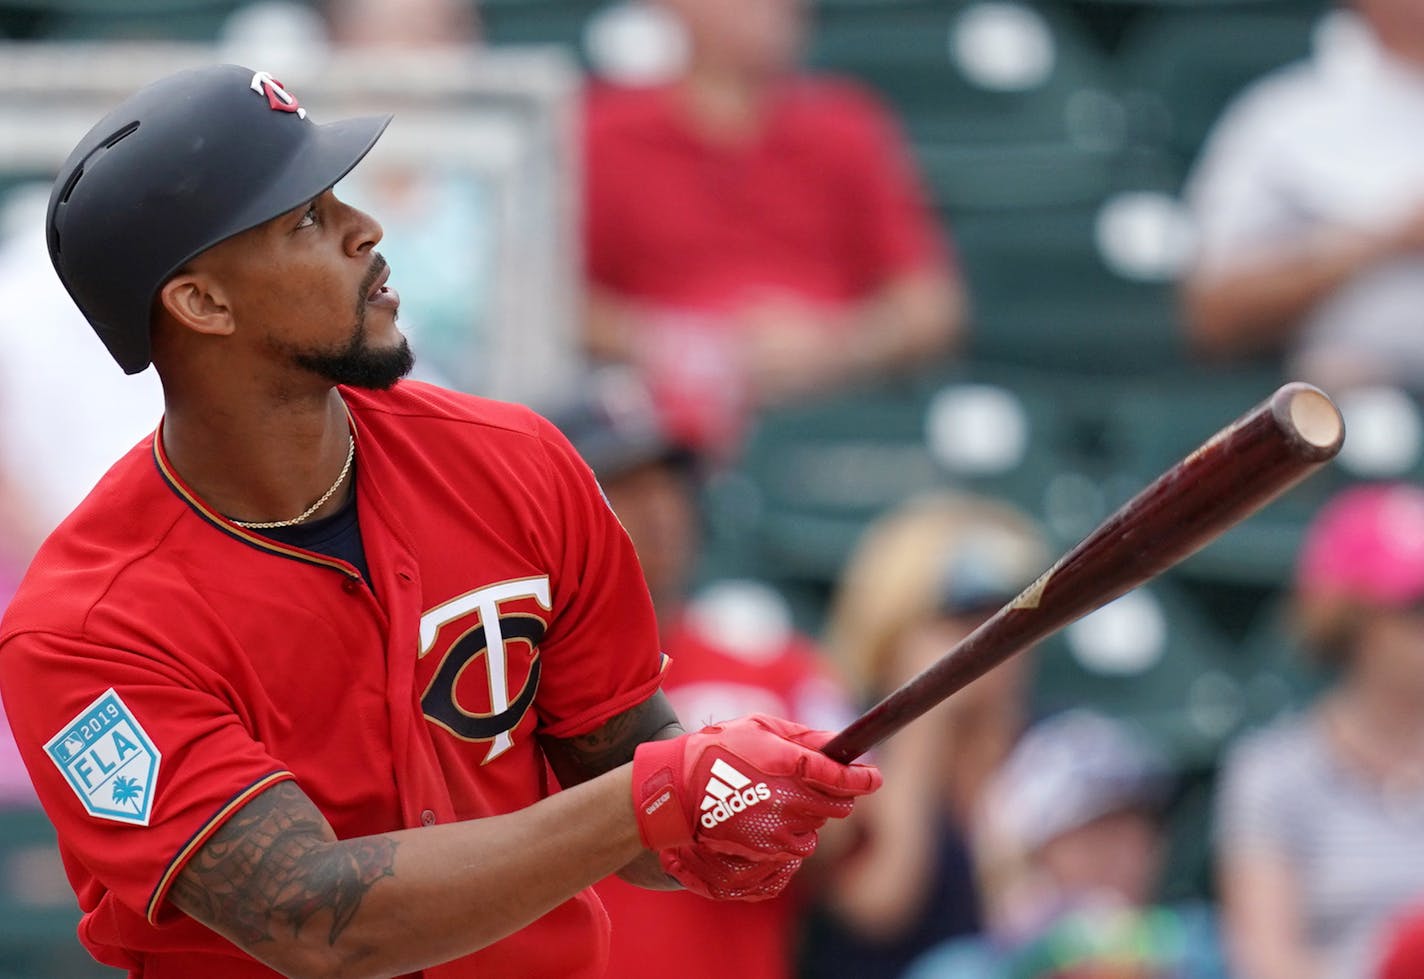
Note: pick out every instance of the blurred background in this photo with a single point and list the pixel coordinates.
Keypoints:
(863, 311)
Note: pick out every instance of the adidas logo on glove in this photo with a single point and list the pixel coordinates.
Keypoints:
(728, 793)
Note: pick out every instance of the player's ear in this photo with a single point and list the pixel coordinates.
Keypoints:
(197, 302)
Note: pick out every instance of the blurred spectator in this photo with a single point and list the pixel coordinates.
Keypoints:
(922, 577)
(1072, 821)
(732, 651)
(755, 234)
(1320, 816)
(1310, 204)
(59, 431)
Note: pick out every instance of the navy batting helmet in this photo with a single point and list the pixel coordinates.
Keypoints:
(179, 166)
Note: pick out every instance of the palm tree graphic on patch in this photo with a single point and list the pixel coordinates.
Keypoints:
(126, 791)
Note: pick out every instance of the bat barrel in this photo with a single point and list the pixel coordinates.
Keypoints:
(1232, 475)
(1309, 419)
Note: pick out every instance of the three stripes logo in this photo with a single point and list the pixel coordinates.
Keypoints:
(728, 793)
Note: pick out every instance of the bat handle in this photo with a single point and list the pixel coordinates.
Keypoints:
(848, 745)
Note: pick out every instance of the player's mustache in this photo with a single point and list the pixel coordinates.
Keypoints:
(378, 265)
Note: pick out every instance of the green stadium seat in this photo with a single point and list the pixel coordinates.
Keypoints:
(1182, 67)
(513, 22)
(994, 176)
(814, 475)
(1152, 659)
(38, 914)
(907, 52)
(1023, 436)
(1274, 669)
(112, 20)
(1189, 872)
(1042, 295)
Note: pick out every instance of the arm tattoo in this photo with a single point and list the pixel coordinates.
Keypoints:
(276, 864)
(581, 758)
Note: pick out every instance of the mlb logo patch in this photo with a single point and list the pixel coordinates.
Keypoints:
(109, 761)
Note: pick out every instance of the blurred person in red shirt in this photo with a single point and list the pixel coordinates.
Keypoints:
(732, 649)
(755, 234)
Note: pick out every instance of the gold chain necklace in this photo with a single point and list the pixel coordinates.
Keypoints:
(345, 470)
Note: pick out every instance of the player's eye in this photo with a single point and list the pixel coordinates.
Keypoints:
(308, 216)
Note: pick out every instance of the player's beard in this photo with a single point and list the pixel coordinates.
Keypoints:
(358, 364)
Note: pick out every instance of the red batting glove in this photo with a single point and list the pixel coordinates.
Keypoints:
(723, 877)
(739, 803)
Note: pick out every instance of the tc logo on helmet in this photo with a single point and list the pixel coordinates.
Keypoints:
(277, 96)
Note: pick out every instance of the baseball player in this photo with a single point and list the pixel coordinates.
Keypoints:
(291, 681)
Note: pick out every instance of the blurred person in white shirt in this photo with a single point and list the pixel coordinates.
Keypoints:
(1309, 200)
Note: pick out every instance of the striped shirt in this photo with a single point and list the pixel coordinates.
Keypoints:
(1356, 847)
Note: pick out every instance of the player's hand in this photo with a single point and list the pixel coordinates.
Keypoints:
(723, 877)
(756, 788)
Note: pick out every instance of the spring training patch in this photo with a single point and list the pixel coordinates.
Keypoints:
(109, 761)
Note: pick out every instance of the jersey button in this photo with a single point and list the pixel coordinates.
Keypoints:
(427, 818)
(349, 586)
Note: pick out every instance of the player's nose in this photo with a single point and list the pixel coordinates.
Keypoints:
(363, 232)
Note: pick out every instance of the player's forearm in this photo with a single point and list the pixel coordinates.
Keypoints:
(578, 759)
(395, 903)
(1258, 303)
(917, 318)
(479, 882)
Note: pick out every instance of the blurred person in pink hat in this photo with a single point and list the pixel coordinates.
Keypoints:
(1320, 815)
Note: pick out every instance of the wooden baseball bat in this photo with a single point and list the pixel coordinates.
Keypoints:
(1232, 475)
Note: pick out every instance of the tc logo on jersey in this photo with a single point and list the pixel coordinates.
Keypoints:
(277, 96)
(480, 624)
(109, 761)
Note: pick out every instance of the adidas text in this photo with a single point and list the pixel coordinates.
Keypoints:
(725, 809)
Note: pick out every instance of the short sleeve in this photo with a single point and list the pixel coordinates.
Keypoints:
(601, 653)
(1257, 805)
(136, 764)
(900, 233)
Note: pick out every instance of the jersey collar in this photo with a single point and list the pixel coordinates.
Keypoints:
(222, 523)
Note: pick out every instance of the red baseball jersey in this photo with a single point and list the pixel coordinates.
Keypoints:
(161, 665)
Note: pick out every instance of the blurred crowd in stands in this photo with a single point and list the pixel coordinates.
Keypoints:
(885, 303)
